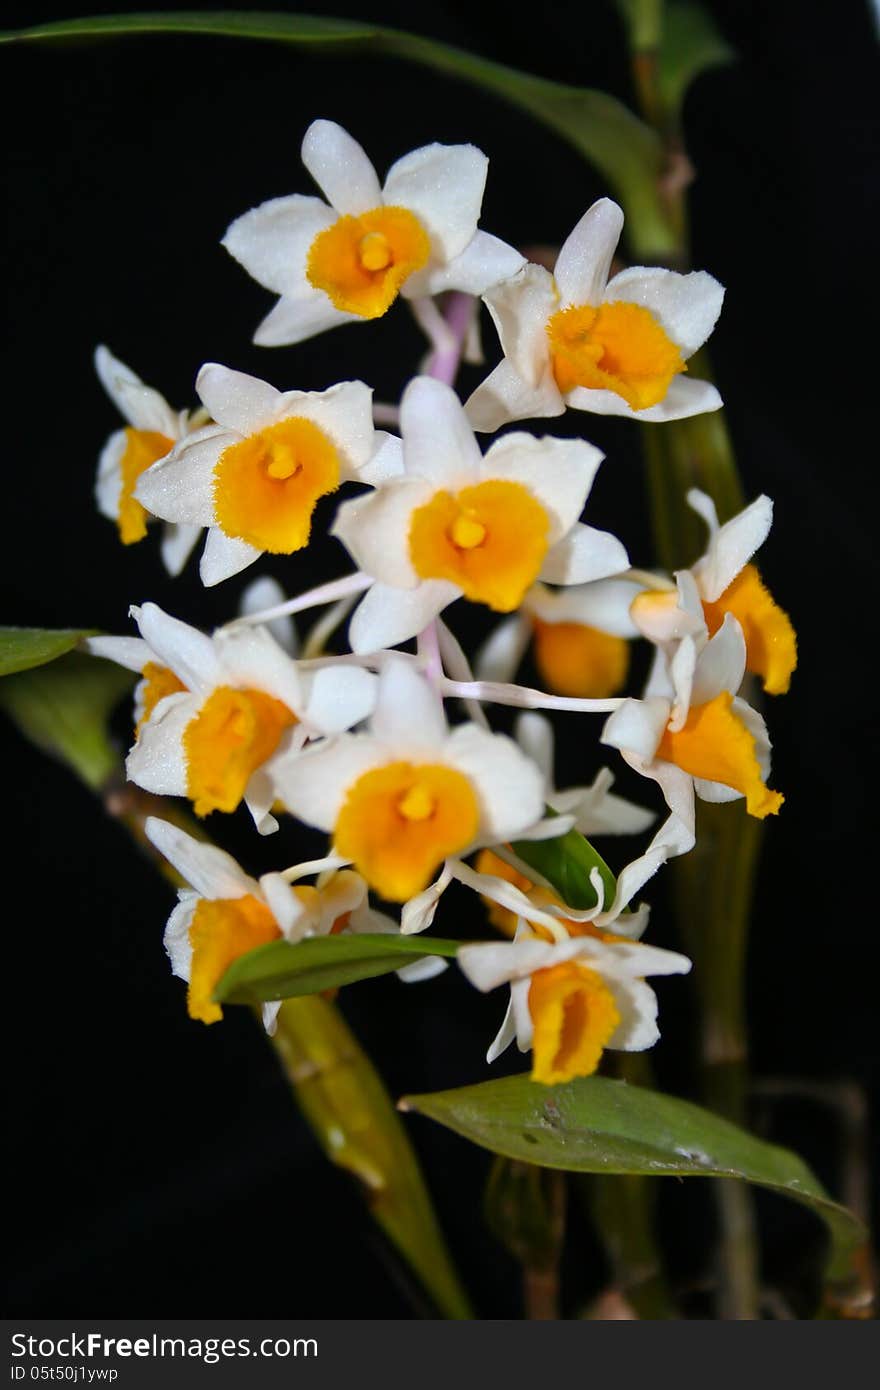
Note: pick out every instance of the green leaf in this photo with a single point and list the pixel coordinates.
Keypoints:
(691, 45)
(627, 153)
(351, 1114)
(283, 969)
(64, 707)
(566, 863)
(594, 1125)
(22, 648)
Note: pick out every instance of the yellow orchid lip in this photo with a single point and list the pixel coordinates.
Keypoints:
(490, 539)
(266, 486)
(715, 746)
(573, 1015)
(399, 822)
(143, 448)
(233, 734)
(581, 661)
(617, 346)
(361, 262)
(771, 643)
(222, 930)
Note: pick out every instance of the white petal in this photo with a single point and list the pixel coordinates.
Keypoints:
(603, 604)
(520, 308)
(385, 463)
(503, 650)
(504, 396)
(344, 413)
(558, 472)
(409, 716)
(486, 261)
(681, 674)
(443, 185)
(438, 440)
(211, 871)
(108, 483)
(340, 168)
(235, 400)
(177, 545)
(721, 664)
(534, 734)
(296, 318)
(687, 306)
(259, 798)
(490, 964)
(674, 837)
(584, 554)
(375, 529)
(157, 761)
(264, 593)
(253, 660)
(732, 546)
(686, 396)
(505, 1035)
(584, 260)
(289, 911)
(420, 970)
(386, 616)
(509, 786)
(637, 727)
(224, 556)
(141, 406)
(418, 913)
(272, 241)
(637, 1006)
(601, 813)
(313, 785)
(176, 940)
(131, 652)
(180, 487)
(339, 697)
(189, 653)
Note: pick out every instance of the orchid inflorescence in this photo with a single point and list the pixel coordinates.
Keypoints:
(358, 745)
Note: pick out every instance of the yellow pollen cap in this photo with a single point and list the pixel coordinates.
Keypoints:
(375, 251)
(282, 461)
(467, 532)
(418, 803)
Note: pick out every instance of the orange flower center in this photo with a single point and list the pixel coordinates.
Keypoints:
(143, 448)
(361, 262)
(574, 1015)
(234, 732)
(266, 487)
(221, 931)
(616, 347)
(489, 539)
(581, 661)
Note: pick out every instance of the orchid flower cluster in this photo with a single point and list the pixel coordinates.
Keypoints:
(358, 744)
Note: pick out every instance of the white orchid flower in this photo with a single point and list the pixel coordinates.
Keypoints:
(224, 914)
(614, 347)
(580, 637)
(691, 734)
(152, 431)
(215, 710)
(348, 258)
(458, 523)
(571, 998)
(254, 477)
(724, 581)
(403, 798)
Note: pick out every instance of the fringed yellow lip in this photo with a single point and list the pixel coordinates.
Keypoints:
(489, 539)
(574, 1015)
(361, 262)
(616, 347)
(221, 931)
(716, 746)
(399, 823)
(577, 660)
(143, 448)
(771, 644)
(234, 732)
(266, 487)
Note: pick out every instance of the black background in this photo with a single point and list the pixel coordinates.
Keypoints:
(158, 1167)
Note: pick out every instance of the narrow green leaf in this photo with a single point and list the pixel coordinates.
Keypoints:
(594, 1125)
(691, 45)
(627, 152)
(566, 863)
(64, 708)
(283, 969)
(351, 1114)
(22, 648)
